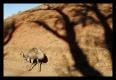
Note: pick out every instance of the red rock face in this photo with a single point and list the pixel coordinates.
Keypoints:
(73, 37)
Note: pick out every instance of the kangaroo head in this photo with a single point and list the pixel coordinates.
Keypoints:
(22, 54)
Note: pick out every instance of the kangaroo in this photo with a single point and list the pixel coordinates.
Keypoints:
(35, 56)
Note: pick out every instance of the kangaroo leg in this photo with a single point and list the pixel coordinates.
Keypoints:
(32, 66)
(39, 65)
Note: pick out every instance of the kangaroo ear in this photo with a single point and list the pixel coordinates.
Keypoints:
(22, 54)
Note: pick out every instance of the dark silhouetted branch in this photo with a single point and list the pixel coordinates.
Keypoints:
(81, 62)
(9, 35)
(49, 29)
(108, 30)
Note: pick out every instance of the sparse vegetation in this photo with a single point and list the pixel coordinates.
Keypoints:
(85, 37)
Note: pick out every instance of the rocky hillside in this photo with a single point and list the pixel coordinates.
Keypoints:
(76, 38)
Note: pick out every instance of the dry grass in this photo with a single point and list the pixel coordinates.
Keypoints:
(90, 39)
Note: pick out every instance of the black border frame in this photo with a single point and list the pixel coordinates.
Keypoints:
(43, 1)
